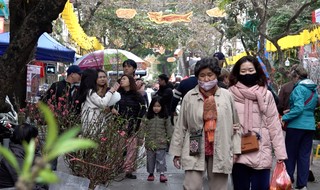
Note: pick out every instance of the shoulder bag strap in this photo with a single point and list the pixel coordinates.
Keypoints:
(309, 99)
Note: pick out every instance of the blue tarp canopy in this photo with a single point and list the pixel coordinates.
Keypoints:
(48, 49)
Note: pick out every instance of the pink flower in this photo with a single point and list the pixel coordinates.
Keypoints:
(65, 112)
(122, 133)
(103, 139)
(61, 99)
(77, 101)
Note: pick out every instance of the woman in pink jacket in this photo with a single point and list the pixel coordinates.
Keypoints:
(257, 114)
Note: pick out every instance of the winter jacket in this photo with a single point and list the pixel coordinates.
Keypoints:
(226, 143)
(268, 126)
(184, 87)
(92, 109)
(8, 175)
(132, 108)
(302, 116)
(166, 93)
(158, 133)
(65, 93)
(284, 96)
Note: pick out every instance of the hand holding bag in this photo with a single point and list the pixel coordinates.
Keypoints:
(280, 179)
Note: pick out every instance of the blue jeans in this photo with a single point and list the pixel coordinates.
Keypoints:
(244, 176)
(299, 145)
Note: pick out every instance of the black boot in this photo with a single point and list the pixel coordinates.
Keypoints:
(311, 176)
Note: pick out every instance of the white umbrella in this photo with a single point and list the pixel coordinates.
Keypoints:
(108, 59)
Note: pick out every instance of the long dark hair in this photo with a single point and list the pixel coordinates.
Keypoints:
(132, 84)
(88, 81)
(162, 114)
(24, 132)
(234, 75)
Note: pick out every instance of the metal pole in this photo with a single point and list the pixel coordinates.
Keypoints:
(117, 65)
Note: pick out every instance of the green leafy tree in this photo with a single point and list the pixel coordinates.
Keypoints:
(140, 34)
(267, 20)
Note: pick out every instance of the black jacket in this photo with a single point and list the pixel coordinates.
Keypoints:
(66, 91)
(132, 108)
(8, 176)
(184, 87)
(165, 92)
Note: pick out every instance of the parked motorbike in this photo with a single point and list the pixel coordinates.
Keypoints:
(7, 121)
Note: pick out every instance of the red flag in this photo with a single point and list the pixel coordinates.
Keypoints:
(39, 63)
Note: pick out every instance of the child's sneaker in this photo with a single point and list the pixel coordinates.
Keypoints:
(163, 178)
(151, 177)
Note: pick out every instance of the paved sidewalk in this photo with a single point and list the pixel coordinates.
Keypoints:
(175, 179)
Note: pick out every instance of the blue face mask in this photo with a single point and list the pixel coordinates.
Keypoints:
(208, 85)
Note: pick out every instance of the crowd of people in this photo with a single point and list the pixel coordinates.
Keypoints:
(219, 106)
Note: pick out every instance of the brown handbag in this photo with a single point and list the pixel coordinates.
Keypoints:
(249, 143)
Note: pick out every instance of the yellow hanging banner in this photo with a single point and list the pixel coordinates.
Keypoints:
(76, 31)
(304, 38)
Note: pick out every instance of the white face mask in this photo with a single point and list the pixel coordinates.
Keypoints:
(208, 85)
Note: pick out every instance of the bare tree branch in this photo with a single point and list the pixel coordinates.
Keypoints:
(91, 15)
(293, 18)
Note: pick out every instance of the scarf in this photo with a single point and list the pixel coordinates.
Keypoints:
(248, 95)
(209, 113)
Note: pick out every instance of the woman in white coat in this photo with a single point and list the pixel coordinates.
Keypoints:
(204, 139)
(93, 105)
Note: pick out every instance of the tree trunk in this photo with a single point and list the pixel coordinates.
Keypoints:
(29, 20)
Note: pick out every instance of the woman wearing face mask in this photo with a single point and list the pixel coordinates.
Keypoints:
(204, 139)
(258, 115)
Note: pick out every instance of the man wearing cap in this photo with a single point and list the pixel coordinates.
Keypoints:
(221, 59)
(65, 89)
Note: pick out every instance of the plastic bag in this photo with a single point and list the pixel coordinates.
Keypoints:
(280, 178)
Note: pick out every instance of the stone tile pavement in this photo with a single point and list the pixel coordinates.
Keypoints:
(175, 179)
